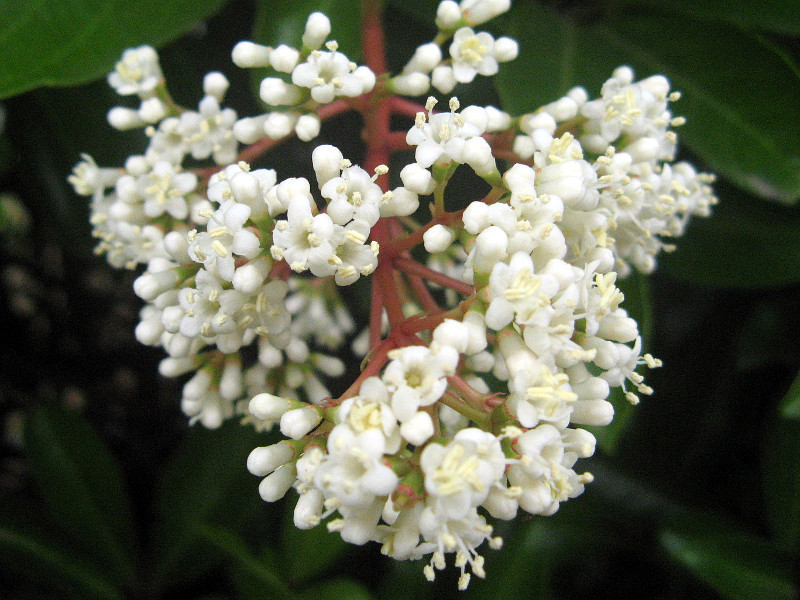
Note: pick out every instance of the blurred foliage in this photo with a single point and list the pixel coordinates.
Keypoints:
(697, 490)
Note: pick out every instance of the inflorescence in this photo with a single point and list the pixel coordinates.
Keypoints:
(481, 360)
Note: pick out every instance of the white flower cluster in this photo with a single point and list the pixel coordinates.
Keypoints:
(420, 449)
(317, 77)
(471, 53)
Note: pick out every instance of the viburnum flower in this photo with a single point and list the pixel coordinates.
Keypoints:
(490, 323)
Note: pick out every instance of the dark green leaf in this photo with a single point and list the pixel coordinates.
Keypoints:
(782, 479)
(546, 67)
(324, 546)
(738, 95)
(262, 580)
(737, 565)
(773, 15)
(337, 589)
(82, 486)
(49, 566)
(46, 43)
(205, 481)
(790, 405)
(746, 243)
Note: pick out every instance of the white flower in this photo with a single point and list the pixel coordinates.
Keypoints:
(472, 54)
(137, 72)
(164, 190)
(442, 137)
(209, 132)
(225, 236)
(458, 476)
(353, 471)
(306, 241)
(353, 195)
(328, 75)
(416, 377)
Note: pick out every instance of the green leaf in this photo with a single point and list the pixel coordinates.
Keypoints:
(746, 243)
(262, 580)
(46, 43)
(324, 546)
(548, 51)
(82, 487)
(782, 480)
(47, 565)
(773, 15)
(737, 565)
(337, 589)
(206, 481)
(739, 118)
(790, 405)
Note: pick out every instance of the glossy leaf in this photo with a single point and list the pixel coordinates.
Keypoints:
(739, 94)
(324, 546)
(337, 589)
(772, 15)
(205, 481)
(790, 405)
(782, 480)
(44, 564)
(82, 487)
(47, 43)
(737, 565)
(261, 578)
(746, 243)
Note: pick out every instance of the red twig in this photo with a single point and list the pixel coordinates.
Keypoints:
(406, 264)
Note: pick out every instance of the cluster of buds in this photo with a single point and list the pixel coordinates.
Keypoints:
(481, 360)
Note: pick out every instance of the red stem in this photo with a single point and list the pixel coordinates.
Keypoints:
(406, 264)
(423, 293)
(405, 107)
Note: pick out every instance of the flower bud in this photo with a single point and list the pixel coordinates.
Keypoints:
(264, 460)
(417, 179)
(175, 367)
(153, 110)
(401, 203)
(284, 58)
(251, 276)
(277, 92)
(327, 162)
(247, 55)
(279, 124)
(149, 285)
(482, 10)
(230, 383)
(215, 84)
(308, 510)
(437, 239)
(298, 422)
(592, 412)
(490, 248)
(418, 429)
(366, 77)
(452, 333)
(505, 49)
(411, 84)
(177, 246)
(148, 332)
(448, 15)
(443, 78)
(318, 28)
(122, 118)
(425, 58)
(274, 487)
(498, 120)
(249, 130)
(307, 127)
